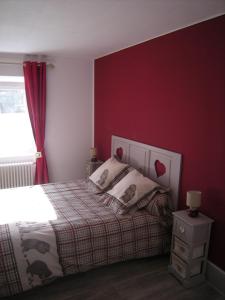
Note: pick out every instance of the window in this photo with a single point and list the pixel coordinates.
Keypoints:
(16, 137)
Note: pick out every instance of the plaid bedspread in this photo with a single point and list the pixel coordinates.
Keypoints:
(88, 234)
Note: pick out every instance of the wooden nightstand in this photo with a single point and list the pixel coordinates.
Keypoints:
(189, 248)
(91, 166)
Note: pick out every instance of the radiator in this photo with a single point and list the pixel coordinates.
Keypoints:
(16, 174)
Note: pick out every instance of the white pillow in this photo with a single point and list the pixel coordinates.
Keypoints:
(132, 188)
(107, 172)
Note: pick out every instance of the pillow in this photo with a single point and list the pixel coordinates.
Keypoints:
(107, 173)
(159, 205)
(127, 192)
(121, 175)
(117, 206)
(156, 203)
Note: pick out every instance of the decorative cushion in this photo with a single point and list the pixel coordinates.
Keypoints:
(132, 188)
(104, 176)
(128, 191)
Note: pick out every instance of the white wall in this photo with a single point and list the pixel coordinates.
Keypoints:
(10, 69)
(69, 117)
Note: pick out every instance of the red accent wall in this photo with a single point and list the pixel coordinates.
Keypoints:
(170, 92)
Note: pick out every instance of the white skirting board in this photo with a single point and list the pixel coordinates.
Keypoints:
(216, 277)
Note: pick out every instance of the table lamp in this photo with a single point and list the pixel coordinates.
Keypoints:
(93, 153)
(193, 201)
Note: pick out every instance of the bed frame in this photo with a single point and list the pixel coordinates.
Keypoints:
(160, 165)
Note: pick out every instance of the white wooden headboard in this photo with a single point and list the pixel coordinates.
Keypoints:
(160, 165)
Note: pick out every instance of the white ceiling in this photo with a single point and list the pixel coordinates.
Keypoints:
(94, 28)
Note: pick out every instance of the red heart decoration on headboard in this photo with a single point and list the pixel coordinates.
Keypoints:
(160, 168)
(119, 152)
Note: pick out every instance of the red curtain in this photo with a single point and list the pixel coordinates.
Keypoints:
(35, 87)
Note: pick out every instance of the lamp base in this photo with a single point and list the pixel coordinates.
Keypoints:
(94, 159)
(193, 213)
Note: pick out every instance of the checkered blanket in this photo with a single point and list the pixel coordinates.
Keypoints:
(88, 234)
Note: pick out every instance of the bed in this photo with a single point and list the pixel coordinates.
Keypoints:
(77, 228)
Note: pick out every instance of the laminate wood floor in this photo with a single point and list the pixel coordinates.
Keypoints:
(141, 279)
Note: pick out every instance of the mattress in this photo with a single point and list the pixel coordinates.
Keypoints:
(80, 234)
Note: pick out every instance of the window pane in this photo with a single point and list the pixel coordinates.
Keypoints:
(12, 101)
(15, 130)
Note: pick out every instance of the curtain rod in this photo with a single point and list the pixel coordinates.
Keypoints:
(21, 63)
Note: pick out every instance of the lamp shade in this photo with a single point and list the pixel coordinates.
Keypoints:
(93, 152)
(194, 199)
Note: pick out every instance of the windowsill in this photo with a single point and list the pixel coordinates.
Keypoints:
(17, 159)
